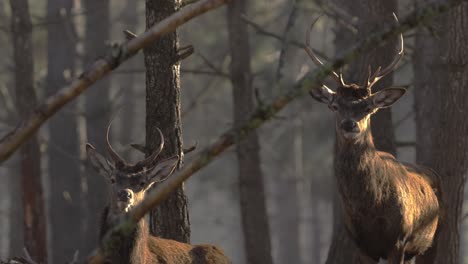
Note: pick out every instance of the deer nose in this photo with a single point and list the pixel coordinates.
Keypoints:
(124, 195)
(349, 125)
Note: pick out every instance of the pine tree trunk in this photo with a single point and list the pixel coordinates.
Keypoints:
(170, 219)
(441, 75)
(63, 148)
(252, 196)
(34, 220)
(12, 177)
(372, 15)
(286, 221)
(98, 107)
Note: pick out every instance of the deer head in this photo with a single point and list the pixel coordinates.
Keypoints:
(353, 103)
(129, 182)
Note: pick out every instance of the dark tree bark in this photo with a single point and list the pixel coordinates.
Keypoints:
(251, 188)
(170, 219)
(16, 213)
(97, 31)
(441, 92)
(15, 247)
(372, 15)
(63, 150)
(34, 220)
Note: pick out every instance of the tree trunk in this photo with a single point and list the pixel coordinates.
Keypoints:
(98, 105)
(63, 149)
(372, 15)
(170, 219)
(16, 213)
(251, 188)
(34, 220)
(289, 171)
(12, 177)
(127, 81)
(441, 75)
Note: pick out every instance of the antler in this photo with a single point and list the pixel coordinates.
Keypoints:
(114, 155)
(379, 74)
(337, 77)
(150, 159)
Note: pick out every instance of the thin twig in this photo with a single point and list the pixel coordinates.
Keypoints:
(284, 45)
(210, 65)
(184, 52)
(260, 30)
(191, 106)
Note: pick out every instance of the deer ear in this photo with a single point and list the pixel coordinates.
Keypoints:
(162, 170)
(323, 94)
(387, 97)
(100, 164)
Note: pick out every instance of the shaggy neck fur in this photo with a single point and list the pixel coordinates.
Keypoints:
(131, 249)
(361, 173)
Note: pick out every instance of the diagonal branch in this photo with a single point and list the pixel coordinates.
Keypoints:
(118, 54)
(259, 117)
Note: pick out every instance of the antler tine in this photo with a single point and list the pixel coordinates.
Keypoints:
(371, 79)
(340, 75)
(379, 74)
(150, 159)
(337, 77)
(114, 155)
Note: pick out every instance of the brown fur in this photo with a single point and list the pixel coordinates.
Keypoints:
(128, 185)
(141, 248)
(390, 208)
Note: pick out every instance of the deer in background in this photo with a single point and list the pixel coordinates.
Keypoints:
(128, 185)
(391, 210)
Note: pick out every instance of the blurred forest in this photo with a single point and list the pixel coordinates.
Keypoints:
(293, 169)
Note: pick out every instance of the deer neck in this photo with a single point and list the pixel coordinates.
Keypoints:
(355, 165)
(354, 150)
(131, 249)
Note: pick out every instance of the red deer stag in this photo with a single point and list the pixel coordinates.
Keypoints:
(390, 208)
(128, 185)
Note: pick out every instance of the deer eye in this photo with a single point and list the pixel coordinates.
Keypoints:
(112, 180)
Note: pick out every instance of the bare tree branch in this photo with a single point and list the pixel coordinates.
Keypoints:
(262, 31)
(210, 65)
(259, 117)
(284, 45)
(118, 54)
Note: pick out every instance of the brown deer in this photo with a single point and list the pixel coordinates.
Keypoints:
(128, 185)
(390, 208)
